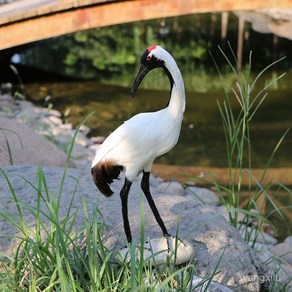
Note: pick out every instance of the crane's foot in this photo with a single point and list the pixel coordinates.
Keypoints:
(158, 251)
(178, 251)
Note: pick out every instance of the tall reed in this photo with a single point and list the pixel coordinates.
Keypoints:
(237, 129)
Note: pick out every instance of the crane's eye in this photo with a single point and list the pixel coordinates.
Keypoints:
(149, 57)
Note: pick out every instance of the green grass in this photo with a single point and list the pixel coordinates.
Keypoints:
(238, 149)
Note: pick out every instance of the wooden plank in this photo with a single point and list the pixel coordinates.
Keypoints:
(221, 175)
(25, 9)
(22, 9)
(111, 13)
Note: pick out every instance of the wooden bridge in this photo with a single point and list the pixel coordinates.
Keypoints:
(26, 21)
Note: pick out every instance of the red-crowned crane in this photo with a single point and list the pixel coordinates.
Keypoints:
(135, 144)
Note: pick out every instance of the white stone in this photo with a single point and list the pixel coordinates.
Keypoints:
(84, 129)
(55, 113)
(57, 131)
(93, 146)
(170, 187)
(161, 250)
(55, 120)
(98, 139)
(83, 140)
(67, 126)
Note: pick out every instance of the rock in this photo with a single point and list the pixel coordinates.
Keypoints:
(258, 236)
(215, 242)
(257, 239)
(212, 287)
(63, 141)
(203, 195)
(84, 129)
(82, 140)
(27, 106)
(98, 139)
(67, 127)
(81, 156)
(288, 240)
(55, 113)
(6, 104)
(26, 147)
(283, 275)
(171, 187)
(28, 114)
(283, 250)
(277, 273)
(54, 120)
(57, 131)
(154, 181)
(93, 147)
(6, 98)
(46, 112)
(222, 210)
(161, 250)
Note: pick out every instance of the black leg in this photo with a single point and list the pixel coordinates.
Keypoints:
(124, 198)
(146, 190)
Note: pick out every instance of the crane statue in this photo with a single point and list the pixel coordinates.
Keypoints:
(134, 145)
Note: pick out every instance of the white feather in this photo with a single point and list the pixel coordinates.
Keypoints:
(137, 142)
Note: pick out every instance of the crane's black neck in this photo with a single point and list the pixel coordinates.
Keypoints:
(171, 81)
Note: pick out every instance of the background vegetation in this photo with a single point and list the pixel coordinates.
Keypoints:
(110, 53)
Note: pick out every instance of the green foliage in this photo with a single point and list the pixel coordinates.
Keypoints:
(111, 54)
(103, 53)
(98, 51)
(238, 141)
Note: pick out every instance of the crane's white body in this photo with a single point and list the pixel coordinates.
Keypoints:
(138, 141)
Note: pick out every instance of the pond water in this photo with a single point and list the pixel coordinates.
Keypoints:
(202, 141)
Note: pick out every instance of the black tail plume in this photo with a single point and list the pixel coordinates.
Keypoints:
(103, 175)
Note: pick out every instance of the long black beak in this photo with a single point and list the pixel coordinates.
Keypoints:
(141, 74)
